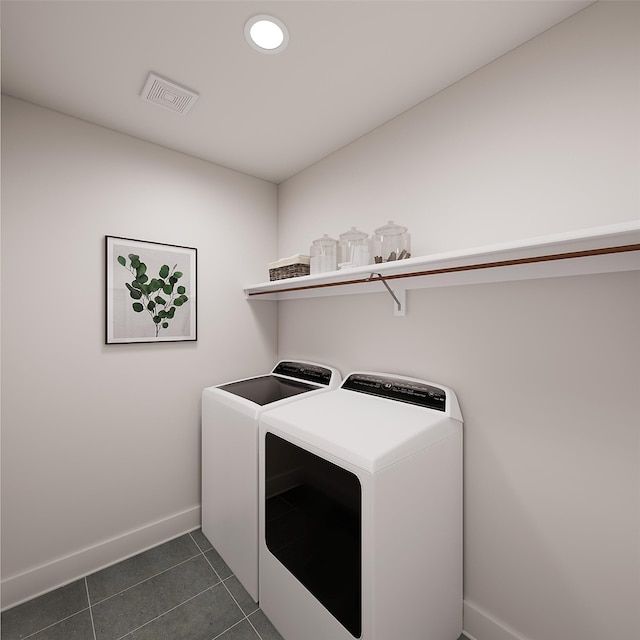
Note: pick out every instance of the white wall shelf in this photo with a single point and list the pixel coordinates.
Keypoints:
(598, 250)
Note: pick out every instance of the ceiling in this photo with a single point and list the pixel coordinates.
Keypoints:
(349, 67)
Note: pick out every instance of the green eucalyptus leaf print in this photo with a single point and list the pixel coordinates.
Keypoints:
(144, 289)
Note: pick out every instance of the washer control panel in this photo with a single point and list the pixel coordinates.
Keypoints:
(303, 371)
(399, 389)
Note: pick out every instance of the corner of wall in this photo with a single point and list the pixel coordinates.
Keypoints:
(479, 625)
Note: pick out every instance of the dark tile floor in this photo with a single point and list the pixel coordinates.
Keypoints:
(180, 590)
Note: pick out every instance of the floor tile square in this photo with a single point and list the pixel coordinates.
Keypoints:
(202, 618)
(130, 609)
(44, 611)
(77, 627)
(127, 573)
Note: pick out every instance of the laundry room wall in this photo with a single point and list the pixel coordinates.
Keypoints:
(101, 443)
(543, 140)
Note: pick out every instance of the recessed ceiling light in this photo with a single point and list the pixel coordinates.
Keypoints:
(266, 34)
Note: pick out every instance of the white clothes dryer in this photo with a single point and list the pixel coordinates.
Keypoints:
(230, 414)
(361, 512)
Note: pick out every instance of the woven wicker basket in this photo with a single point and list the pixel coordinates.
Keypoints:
(292, 267)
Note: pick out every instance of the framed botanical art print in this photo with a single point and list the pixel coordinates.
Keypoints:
(151, 291)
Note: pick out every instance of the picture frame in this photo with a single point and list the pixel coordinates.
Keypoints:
(151, 291)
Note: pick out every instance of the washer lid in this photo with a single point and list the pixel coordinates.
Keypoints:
(287, 380)
(368, 431)
(267, 389)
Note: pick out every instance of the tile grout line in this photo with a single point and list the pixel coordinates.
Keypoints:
(195, 555)
(200, 553)
(155, 575)
(197, 545)
(252, 626)
(93, 627)
(235, 624)
(53, 624)
(164, 613)
(246, 617)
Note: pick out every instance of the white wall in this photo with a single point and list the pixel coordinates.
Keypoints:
(543, 140)
(101, 443)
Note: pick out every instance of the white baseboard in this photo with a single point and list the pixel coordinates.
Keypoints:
(51, 575)
(479, 625)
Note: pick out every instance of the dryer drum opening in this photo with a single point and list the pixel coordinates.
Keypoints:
(314, 528)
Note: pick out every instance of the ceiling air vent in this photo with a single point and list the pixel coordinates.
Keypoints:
(168, 94)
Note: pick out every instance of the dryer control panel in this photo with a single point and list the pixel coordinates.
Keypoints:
(399, 389)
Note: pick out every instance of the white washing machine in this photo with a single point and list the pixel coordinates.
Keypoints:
(230, 414)
(361, 512)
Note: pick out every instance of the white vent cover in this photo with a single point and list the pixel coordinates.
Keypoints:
(168, 94)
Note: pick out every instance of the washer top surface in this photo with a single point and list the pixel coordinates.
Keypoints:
(287, 379)
(267, 389)
(365, 423)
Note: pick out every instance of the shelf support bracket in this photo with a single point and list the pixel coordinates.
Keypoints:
(401, 303)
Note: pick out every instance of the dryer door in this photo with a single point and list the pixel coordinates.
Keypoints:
(314, 527)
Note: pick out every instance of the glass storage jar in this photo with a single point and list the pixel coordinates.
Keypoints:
(391, 242)
(324, 255)
(353, 249)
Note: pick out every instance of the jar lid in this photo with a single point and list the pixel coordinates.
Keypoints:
(353, 234)
(390, 229)
(325, 240)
